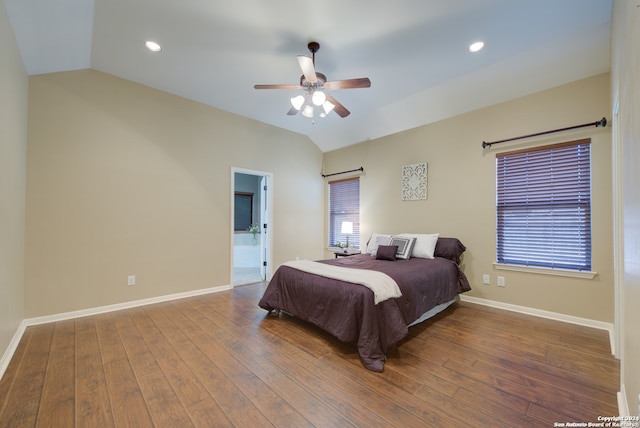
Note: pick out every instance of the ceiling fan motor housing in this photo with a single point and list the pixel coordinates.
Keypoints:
(321, 78)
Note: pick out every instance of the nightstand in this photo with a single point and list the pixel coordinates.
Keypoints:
(342, 253)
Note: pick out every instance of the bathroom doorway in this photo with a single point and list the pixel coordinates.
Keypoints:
(250, 226)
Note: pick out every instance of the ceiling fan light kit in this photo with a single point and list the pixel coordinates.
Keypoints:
(318, 98)
(315, 84)
(308, 111)
(297, 102)
(328, 108)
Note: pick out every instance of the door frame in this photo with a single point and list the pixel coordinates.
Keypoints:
(267, 233)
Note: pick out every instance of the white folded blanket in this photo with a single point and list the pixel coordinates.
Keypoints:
(382, 285)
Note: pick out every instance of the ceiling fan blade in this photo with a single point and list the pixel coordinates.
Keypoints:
(362, 82)
(277, 87)
(339, 108)
(309, 71)
(292, 111)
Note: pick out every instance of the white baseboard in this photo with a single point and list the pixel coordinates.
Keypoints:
(11, 349)
(125, 305)
(623, 405)
(546, 314)
(13, 345)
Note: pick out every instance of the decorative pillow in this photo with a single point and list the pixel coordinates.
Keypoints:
(425, 244)
(386, 252)
(450, 249)
(405, 246)
(375, 241)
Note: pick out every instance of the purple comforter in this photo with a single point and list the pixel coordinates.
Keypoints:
(347, 310)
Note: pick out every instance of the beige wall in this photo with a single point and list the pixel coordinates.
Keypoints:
(13, 146)
(127, 180)
(461, 190)
(625, 66)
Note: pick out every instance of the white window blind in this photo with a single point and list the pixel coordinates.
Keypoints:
(544, 206)
(344, 205)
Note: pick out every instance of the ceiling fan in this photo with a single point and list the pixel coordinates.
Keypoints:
(315, 84)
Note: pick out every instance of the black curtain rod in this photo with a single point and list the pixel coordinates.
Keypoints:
(602, 122)
(343, 172)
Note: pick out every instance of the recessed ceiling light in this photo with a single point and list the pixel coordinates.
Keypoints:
(152, 46)
(476, 46)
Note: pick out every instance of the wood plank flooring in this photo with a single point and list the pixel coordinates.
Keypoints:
(220, 360)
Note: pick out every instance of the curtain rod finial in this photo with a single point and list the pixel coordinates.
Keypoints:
(602, 122)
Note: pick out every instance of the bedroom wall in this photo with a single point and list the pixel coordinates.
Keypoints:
(127, 180)
(625, 69)
(13, 148)
(461, 190)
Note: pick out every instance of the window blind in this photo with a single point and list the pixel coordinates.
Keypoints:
(344, 205)
(544, 206)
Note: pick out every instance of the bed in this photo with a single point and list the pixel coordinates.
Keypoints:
(349, 311)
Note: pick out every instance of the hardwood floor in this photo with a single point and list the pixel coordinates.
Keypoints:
(219, 360)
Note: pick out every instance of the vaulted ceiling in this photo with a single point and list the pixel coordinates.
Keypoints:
(414, 51)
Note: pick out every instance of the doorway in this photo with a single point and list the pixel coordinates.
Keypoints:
(251, 233)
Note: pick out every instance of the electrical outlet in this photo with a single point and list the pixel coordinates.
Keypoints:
(501, 281)
(486, 279)
(131, 280)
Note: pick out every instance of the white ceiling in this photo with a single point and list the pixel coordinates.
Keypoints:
(414, 51)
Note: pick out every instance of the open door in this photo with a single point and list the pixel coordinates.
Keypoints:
(251, 234)
(264, 214)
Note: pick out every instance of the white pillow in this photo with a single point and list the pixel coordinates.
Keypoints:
(425, 244)
(377, 239)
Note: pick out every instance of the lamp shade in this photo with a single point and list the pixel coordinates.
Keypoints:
(318, 98)
(347, 227)
(307, 111)
(297, 102)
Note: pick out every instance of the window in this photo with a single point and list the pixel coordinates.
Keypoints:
(344, 206)
(243, 210)
(544, 206)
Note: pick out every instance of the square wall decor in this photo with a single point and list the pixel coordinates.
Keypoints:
(414, 182)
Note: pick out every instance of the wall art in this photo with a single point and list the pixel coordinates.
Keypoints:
(414, 182)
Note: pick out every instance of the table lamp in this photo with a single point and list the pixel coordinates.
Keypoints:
(347, 229)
